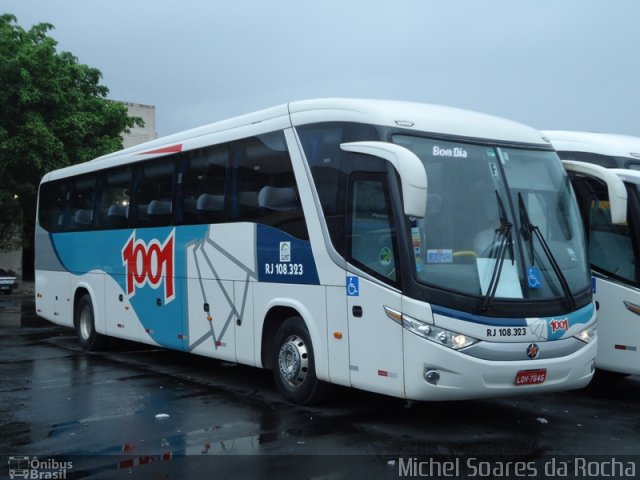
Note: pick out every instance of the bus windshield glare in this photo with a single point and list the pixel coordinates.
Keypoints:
(500, 222)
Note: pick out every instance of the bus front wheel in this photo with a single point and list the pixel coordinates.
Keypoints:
(293, 364)
(84, 322)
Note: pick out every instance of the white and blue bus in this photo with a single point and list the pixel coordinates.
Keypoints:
(304, 239)
(613, 239)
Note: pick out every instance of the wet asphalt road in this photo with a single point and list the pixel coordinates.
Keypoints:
(139, 412)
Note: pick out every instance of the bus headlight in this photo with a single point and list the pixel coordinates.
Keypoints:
(438, 335)
(587, 334)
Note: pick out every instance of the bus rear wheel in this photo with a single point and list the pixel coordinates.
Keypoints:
(84, 322)
(294, 364)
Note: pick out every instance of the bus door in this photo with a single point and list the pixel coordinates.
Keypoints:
(375, 339)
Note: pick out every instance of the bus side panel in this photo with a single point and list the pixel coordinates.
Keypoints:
(245, 328)
(52, 281)
(375, 340)
(53, 297)
(309, 302)
(338, 336)
(212, 317)
(217, 267)
(120, 317)
(146, 269)
(618, 328)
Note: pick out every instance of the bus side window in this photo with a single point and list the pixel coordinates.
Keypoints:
(330, 168)
(82, 202)
(152, 204)
(53, 198)
(371, 240)
(263, 187)
(113, 198)
(610, 246)
(204, 178)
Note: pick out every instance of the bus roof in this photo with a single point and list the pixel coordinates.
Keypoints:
(591, 142)
(417, 116)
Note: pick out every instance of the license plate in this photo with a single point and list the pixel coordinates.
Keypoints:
(4, 287)
(531, 377)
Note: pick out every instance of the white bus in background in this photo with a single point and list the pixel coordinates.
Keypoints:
(418, 251)
(614, 245)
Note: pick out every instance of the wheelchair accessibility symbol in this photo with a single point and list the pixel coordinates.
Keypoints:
(534, 277)
(353, 287)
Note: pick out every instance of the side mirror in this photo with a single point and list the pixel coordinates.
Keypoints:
(413, 176)
(615, 186)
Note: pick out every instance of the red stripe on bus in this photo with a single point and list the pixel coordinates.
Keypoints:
(171, 149)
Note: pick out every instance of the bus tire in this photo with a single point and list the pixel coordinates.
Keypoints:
(294, 364)
(84, 322)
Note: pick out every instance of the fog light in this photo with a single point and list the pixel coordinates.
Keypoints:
(431, 376)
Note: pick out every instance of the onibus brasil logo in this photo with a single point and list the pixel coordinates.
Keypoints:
(33, 468)
(150, 264)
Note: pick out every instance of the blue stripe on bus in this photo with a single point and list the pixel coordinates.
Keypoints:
(469, 317)
(581, 316)
(290, 260)
(283, 258)
(101, 251)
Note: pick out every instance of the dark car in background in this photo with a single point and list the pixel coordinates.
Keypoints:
(8, 282)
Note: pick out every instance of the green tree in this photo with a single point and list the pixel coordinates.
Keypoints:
(53, 113)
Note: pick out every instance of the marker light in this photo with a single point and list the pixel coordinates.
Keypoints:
(587, 334)
(450, 339)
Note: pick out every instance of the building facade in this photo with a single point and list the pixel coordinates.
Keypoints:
(139, 135)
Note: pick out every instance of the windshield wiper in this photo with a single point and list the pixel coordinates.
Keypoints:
(506, 243)
(528, 232)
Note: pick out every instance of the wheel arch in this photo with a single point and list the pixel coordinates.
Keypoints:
(80, 290)
(275, 316)
(276, 312)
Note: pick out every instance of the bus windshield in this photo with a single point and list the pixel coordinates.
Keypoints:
(499, 223)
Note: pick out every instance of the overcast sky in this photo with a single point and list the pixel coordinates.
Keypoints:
(570, 64)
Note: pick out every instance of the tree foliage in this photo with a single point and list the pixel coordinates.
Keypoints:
(53, 113)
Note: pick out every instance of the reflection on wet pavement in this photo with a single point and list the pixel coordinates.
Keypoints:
(134, 405)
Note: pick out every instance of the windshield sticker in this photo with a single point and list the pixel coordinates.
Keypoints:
(572, 254)
(385, 256)
(456, 152)
(534, 277)
(493, 168)
(415, 236)
(417, 247)
(440, 256)
(418, 257)
(491, 153)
